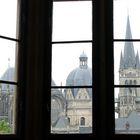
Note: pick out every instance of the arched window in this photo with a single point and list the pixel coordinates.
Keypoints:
(130, 90)
(126, 82)
(135, 82)
(68, 120)
(82, 121)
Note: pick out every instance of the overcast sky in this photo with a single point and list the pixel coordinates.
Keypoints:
(123, 9)
(8, 23)
(73, 21)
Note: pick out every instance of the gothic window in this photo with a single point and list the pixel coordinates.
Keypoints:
(135, 82)
(68, 120)
(125, 100)
(82, 121)
(130, 100)
(126, 82)
(130, 90)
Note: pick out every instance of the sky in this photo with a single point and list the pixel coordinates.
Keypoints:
(70, 25)
(123, 9)
(8, 25)
(76, 24)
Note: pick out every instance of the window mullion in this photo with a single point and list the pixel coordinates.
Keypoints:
(102, 62)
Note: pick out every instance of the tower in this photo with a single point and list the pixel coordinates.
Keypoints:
(79, 100)
(129, 74)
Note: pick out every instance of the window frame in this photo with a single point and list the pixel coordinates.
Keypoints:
(72, 42)
(19, 115)
(101, 60)
(103, 65)
(36, 54)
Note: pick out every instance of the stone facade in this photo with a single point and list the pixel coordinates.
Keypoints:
(79, 108)
(73, 108)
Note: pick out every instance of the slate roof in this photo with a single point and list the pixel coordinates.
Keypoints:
(132, 121)
(9, 75)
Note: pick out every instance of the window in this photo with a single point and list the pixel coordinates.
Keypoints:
(72, 66)
(9, 51)
(103, 72)
(105, 86)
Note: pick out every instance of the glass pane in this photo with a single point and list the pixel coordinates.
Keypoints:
(72, 21)
(71, 110)
(8, 54)
(126, 62)
(127, 110)
(71, 64)
(8, 16)
(7, 108)
(124, 9)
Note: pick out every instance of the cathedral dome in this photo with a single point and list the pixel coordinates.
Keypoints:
(81, 76)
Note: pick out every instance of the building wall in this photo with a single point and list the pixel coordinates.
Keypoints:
(78, 108)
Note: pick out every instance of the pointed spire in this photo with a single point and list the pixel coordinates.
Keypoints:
(129, 54)
(137, 61)
(121, 61)
(128, 34)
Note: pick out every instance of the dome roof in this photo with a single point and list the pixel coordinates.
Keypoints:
(9, 75)
(81, 76)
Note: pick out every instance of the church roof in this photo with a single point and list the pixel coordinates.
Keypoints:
(132, 120)
(62, 123)
(9, 75)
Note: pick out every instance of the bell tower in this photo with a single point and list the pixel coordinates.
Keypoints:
(129, 74)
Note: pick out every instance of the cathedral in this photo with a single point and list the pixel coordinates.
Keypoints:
(71, 110)
(128, 102)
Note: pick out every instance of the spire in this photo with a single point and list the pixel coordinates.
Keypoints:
(137, 61)
(128, 34)
(129, 54)
(121, 61)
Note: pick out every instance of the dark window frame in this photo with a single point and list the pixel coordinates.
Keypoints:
(19, 83)
(35, 75)
(101, 55)
(103, 74)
